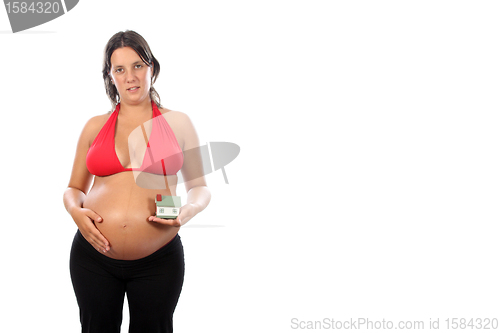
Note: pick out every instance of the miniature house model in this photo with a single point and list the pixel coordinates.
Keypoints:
(167, 207)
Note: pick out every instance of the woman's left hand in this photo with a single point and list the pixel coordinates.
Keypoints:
(186, 213)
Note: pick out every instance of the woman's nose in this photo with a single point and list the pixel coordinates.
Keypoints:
(130, 77)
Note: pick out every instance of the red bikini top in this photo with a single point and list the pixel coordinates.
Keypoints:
(163, 154)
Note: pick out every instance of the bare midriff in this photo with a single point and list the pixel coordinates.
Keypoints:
(125, 208)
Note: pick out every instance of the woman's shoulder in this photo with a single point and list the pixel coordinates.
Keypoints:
(174, 116)
(176, 119)
(182, 126)
(164, 111)
(98, 121)
(94, 125)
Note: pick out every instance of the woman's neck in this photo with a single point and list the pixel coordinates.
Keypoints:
(136, 110)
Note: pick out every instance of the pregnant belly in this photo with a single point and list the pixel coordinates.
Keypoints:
(125, 211)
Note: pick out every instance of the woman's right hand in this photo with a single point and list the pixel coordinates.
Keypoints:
(85, 219)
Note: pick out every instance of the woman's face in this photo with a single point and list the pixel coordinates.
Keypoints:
(130, 75)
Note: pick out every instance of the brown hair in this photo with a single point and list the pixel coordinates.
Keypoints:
(140, 46)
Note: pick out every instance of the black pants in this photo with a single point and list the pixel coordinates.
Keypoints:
(153, 285)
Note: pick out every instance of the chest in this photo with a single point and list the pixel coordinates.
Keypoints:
(131, 138)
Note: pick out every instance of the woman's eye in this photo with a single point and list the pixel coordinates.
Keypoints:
(138, 66)
(118, 70)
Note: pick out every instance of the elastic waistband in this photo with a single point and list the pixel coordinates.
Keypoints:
(171, 246)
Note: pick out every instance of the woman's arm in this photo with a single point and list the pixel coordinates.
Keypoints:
(199, 197)
(198, 194)
(78, 186)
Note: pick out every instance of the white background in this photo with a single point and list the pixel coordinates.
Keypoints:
(368, 179)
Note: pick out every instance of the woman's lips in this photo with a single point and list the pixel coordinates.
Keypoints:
(133, 89)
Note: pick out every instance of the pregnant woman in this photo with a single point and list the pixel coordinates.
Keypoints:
(120, 246)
